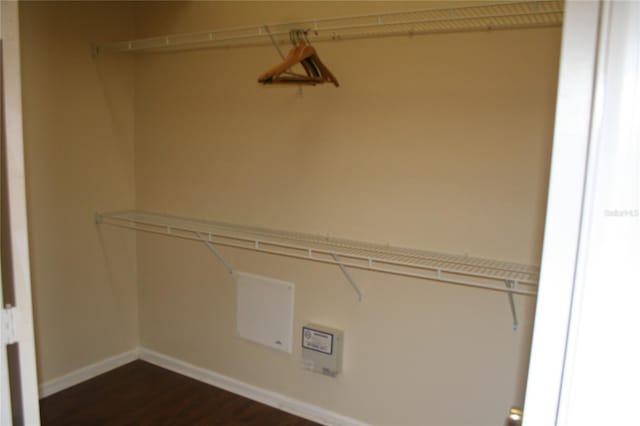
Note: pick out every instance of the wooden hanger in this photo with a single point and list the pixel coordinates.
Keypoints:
(304, 54)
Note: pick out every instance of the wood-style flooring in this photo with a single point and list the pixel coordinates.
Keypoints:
(142, 394)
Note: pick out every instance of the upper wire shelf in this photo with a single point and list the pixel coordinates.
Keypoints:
(497, 16)
(507, 277)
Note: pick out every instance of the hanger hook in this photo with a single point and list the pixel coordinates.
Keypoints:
(306, 37)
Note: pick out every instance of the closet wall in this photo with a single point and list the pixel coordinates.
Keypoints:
(438, 142)
(78, 129)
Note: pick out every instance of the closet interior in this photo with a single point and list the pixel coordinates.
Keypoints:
(405, 203)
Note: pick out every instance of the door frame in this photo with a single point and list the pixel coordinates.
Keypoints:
(21, 370)
(584, 358)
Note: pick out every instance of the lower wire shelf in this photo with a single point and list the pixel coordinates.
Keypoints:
(499, 276)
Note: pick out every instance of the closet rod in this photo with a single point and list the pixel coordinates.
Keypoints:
(497, 16)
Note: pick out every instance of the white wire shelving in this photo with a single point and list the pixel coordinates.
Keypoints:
(484, 17)
(498, 276)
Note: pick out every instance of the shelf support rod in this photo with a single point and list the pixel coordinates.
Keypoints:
(273, 40)
(348, 277)
(216, 253)
(514, 314)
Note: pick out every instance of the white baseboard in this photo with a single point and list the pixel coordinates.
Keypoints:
(86, 373)
(273, 399)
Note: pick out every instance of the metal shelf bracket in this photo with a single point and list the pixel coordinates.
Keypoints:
(512, 305)
(348, 277)
(216, 253)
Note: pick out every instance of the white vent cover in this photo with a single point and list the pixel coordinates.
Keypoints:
(265, 310)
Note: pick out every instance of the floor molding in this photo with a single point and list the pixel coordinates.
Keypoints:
(85, 373)
(273, 399)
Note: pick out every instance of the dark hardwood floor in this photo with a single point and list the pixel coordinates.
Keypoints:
(142, 394)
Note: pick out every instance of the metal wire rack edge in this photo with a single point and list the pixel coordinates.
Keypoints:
(493, 16)
(521, 279)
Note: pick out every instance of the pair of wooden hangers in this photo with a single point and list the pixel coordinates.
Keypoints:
(304, 54)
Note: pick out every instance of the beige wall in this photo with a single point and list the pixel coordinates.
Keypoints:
(438, 142)
(78, 120)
